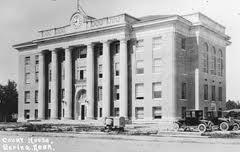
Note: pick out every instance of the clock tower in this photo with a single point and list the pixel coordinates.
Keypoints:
(79, 17)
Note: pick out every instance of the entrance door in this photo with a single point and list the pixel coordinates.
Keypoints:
(83, 112)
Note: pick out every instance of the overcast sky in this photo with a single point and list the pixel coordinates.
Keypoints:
(21, 19)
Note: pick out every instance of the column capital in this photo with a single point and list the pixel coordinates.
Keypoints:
(42, 52)
(123, 40)
(107, 42)
(90, 45)
(54, 50)
(68, 48)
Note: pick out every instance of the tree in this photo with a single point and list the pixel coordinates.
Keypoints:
(231, 105)
(9, 99)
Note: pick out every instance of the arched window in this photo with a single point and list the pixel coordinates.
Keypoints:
(213, 61)
(220, 63)
(205, 58)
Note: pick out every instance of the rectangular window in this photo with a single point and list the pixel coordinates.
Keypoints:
(157, 42)
(117, 45)
(82, 74)
(27, 114)
(83, 53)
(36, 68)
(157, 112)
(117, 92)
(27, 97)
(184, 91)
(157, 65)
(27, 78)
(183, 43)
(99, 49)
(63, 71)
(100, 75)
(205, 92)
(220, 93)
(116, 69)
(139, 46)
(205, 62)
(36, 63)
(116, 112)
(36, 96)
(139, 67)
(213, 93)
(183, 111)
(49, 96)
(36, 76)
(139, 91)
(49, 113)
(100, 93)
(50, 73)
(156, 90)
(100, 112)
(36, 114)
(139, 113)
(27, 60)
(63, 94)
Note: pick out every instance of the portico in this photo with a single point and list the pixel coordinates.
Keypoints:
(70, 82)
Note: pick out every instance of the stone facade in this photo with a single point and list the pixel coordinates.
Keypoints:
(144, 69)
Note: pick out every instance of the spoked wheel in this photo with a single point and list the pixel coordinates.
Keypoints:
(176, 126)
(211, 126)
(224, 126)
(202, 128)
(235, 127)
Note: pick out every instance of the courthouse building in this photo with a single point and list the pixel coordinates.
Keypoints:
(150, 68)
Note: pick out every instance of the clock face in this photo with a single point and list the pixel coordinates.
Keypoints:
(77, 20)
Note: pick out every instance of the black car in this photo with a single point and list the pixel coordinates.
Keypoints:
(192, 120)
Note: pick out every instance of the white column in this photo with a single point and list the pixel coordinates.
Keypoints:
(106, 80)
(123, 79)
(54, 86)
(197, 89)
(90, 81)
(68, 84)
(41, 87)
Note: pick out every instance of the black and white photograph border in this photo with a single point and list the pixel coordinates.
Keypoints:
(111, 75)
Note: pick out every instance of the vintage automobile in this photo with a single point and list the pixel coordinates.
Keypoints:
(234, 116)
(224, 123)
(193, 120)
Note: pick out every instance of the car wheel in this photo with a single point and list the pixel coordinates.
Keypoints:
(224, 126)
(202, 128)
(211, 126)
(235, 127)
(176, 126)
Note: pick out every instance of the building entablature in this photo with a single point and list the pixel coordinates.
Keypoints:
(85, 25)
(201, 19)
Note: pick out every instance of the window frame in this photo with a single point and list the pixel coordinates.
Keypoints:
(141, 92)
(156, 92)
(140, 70)
(27, 97)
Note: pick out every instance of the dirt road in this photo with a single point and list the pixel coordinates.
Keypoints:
(61, 142)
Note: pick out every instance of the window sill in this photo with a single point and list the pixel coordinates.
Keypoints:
(157, 99)
(183, 99)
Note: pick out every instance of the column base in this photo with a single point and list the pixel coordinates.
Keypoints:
(54, 118)
(64, 118)
(90, 118)
(41, 119)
